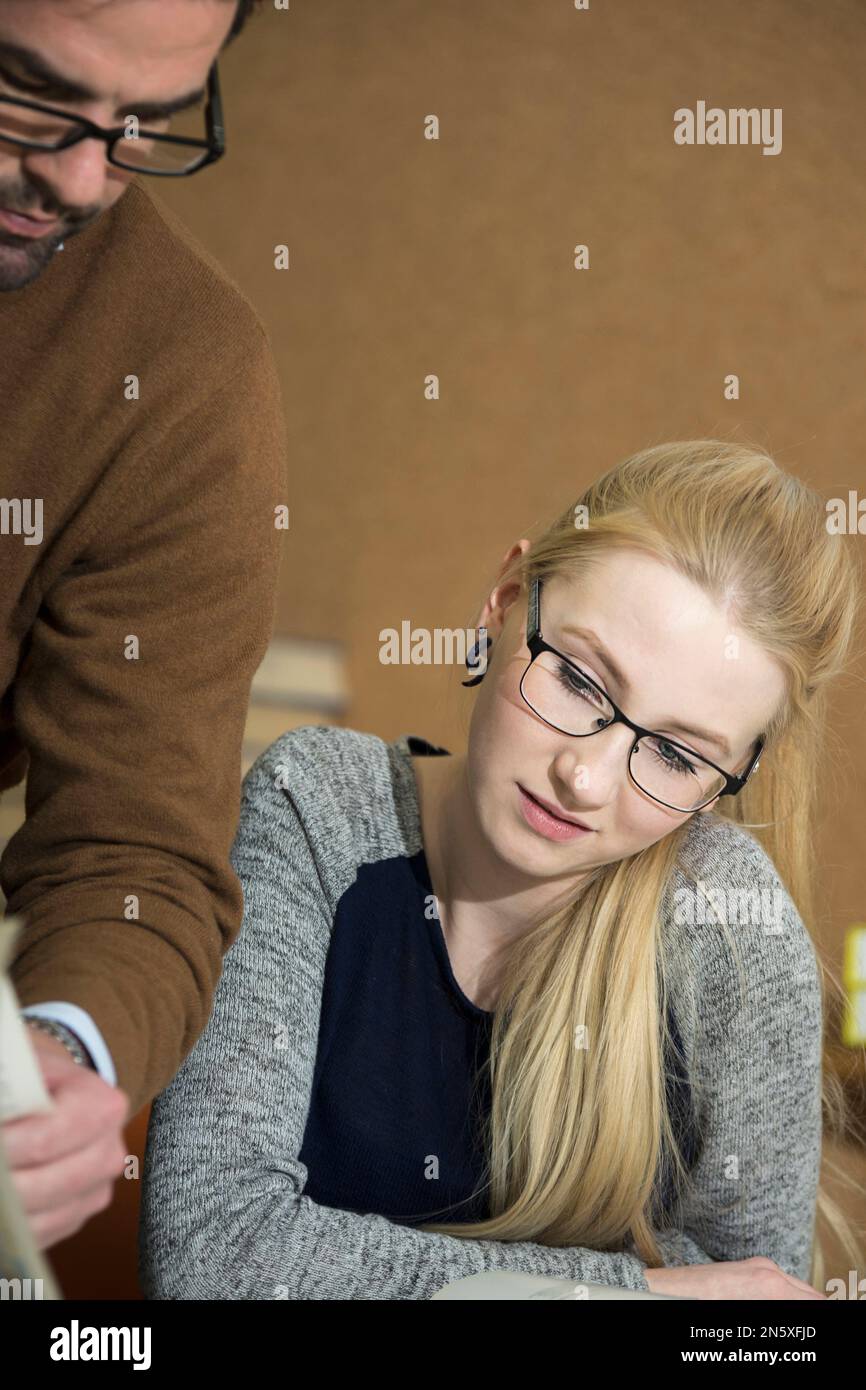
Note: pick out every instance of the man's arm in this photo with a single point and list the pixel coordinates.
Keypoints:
(131, 703)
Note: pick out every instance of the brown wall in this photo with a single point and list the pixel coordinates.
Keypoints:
(411, 256)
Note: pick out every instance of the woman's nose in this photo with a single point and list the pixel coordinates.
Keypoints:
(598, 763)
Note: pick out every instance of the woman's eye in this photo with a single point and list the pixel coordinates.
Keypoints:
(671, 757)
(574, 681)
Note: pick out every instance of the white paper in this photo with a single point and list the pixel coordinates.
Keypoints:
(22, 1090)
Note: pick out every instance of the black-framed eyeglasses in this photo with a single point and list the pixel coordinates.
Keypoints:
(562, 694)
(143, 152)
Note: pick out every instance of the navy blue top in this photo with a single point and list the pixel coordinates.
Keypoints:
(400, 1082)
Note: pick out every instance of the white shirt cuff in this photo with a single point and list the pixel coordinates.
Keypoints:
(80, 1023)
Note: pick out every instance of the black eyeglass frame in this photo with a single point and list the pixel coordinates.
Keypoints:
(536, 644)
(214, 146)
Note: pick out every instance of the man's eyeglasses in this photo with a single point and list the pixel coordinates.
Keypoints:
(34, 126)
(570, 701)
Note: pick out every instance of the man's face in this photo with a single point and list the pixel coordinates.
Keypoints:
(127, 54)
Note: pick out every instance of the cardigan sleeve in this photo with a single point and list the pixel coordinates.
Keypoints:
(224, 1212)
(755, 1061)
(131, 704)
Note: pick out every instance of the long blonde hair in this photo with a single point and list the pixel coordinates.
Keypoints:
(754, 539)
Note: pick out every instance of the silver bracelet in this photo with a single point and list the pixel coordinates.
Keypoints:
(73, 1044)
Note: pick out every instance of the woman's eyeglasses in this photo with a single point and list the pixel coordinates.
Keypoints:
(570, 701)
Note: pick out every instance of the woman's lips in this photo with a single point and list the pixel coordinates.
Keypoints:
(545, 822)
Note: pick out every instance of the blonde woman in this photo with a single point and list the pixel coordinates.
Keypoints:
(552, 1004)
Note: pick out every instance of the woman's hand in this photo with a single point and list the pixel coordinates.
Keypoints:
(758, 1277)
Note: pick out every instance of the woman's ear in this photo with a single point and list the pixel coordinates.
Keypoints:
(502, 598)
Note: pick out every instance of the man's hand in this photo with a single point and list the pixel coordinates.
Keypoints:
(758, 1277)
(64, 1164)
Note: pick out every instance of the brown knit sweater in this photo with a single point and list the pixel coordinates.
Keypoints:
(131, 628)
